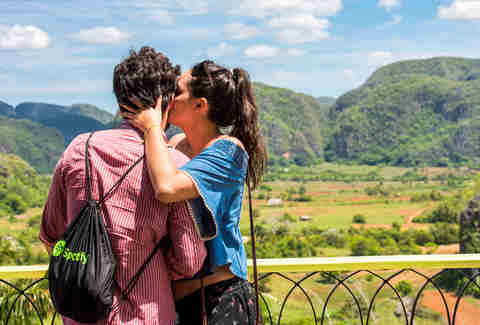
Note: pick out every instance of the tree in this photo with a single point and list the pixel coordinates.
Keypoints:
(359, 218)
(404, 288)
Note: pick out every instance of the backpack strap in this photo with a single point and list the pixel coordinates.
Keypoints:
(131, 284)
(254, 252)
(88, 180)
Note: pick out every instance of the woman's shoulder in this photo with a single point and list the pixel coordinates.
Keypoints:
(232, 140)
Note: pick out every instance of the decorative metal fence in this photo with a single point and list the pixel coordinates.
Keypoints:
(342, 290)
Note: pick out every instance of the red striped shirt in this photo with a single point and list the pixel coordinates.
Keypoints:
(135, 221)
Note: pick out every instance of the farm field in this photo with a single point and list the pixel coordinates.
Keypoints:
(333, 204)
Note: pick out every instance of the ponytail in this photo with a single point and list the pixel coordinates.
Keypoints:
(246, 127)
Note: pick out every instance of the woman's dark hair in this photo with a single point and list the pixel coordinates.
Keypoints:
(232, 104)
(145, 75)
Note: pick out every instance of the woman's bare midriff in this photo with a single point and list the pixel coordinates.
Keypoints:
(183, 288)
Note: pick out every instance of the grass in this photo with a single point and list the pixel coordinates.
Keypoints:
(334, 204)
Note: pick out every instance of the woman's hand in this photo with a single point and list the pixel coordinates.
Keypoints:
(146, 117)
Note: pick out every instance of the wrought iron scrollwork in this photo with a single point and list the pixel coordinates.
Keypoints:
(14, 297)
(409, 314)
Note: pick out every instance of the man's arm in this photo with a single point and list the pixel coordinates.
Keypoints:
(187, 252)
(55, 209)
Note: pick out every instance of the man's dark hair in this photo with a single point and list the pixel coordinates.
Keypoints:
(145, 76)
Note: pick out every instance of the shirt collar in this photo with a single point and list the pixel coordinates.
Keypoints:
(127, 126)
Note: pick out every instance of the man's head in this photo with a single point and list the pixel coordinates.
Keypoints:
(145, 75)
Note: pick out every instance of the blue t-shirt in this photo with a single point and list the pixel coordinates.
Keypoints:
(219, 174)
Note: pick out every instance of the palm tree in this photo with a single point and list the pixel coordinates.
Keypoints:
(28, 306)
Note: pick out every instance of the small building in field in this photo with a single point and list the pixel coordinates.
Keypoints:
(274, 202)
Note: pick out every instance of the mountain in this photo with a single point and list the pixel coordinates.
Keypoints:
(6, 110)
(294, 124)
(410, 113)
(326, 100)
(40, 146)
(91, 111)
(39, 132)
(70, 121)
(407, 113)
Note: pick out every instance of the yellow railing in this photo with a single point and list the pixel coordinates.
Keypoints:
(285, 265)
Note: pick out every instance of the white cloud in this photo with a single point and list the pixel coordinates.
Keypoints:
(380, 58)
(296, 52)
(223, 49)
(162, 17)
(102, 35)
(23, 37)
(396, 19)
(239, 31)
(261, 51)
(194, 7)
(388, 4)
(460, 9)
(263, 8)
(297, 36)
(284, 78)
(299, 20)
(300, 28)
(349, 74)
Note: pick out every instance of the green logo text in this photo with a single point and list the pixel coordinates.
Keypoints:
(68, 254)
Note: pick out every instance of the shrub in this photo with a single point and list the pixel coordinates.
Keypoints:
(288, 217)
(444, 233)
(304, 198)
(335, 238)
(404, 288)
(302, 190)
(364, 246)
(359, 218)
(423, 237)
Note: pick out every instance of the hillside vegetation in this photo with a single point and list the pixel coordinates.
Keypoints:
(411, 113)
(294, 124)
(40, 146)
(39, 132)
(21, 187)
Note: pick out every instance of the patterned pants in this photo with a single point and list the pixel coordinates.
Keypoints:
(227, 302)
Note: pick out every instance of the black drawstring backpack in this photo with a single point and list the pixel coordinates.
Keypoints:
(82, 265)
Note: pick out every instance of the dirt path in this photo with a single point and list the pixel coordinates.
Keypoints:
(408, 222)
(467, 313)
(409, 219)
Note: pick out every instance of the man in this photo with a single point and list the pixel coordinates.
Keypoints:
(135, 220)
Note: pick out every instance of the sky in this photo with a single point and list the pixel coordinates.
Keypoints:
(64, 51)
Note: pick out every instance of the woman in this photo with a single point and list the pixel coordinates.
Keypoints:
(209, 99)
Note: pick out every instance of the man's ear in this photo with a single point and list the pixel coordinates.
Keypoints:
(202, 104)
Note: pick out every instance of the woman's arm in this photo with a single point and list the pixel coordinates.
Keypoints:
(169, 183)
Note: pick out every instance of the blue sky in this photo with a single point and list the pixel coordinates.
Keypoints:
(64, 51)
